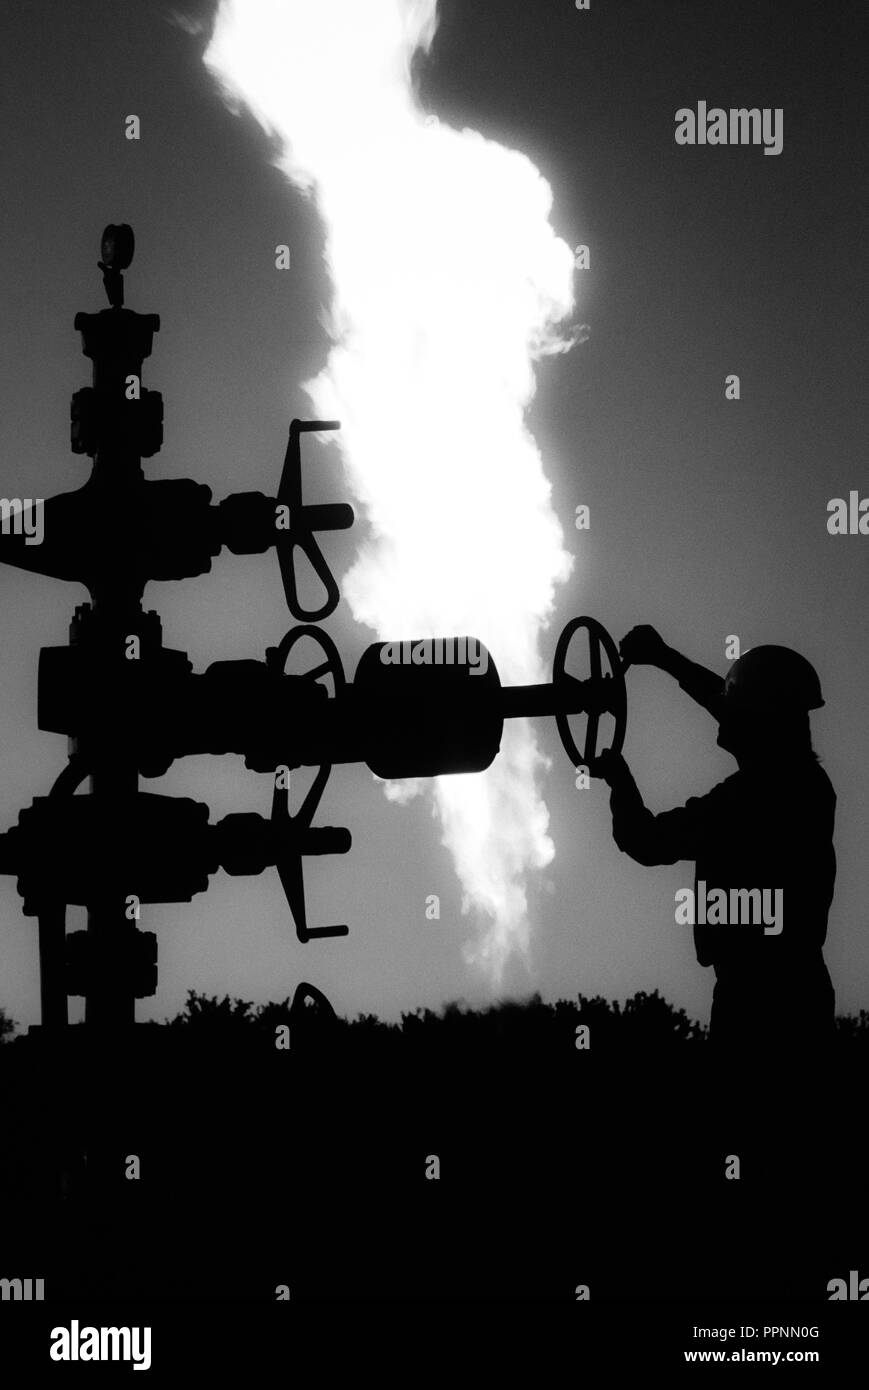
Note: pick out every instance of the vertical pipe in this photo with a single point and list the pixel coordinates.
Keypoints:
(115, 614)
(52, 966)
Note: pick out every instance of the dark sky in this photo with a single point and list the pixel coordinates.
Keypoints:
(708, 516)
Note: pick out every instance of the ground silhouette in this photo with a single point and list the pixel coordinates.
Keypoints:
(262, 1166)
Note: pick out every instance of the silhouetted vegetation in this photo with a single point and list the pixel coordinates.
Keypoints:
(280, 1144)
(646, 1020)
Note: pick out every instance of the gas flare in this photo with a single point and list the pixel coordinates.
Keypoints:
(448, 285)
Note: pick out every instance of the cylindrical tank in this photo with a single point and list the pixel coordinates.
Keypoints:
(428, 706)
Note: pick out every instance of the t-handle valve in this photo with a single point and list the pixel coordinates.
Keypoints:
(293, 837)
(303, 522)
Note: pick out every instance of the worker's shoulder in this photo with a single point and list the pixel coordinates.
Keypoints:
(807, 781)
(801, 788)
(728, 787)
(723, 794)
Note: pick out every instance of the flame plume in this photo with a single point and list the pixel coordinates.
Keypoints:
(448, 285)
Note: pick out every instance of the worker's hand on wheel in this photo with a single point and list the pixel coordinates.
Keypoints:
(643, 646)
(610, 767)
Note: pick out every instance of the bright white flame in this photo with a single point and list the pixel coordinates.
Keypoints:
(448, 284)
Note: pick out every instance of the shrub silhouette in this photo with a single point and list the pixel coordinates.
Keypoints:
(644, 1023)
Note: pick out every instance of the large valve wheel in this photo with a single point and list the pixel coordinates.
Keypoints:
(602, 694)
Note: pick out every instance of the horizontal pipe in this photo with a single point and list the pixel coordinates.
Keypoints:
(569, 696)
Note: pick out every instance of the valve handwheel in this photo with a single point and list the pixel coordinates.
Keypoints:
(606, 693)
(304, 521)
(293, 833)
(277, 657)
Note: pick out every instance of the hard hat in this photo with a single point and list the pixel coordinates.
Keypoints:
(772, 678)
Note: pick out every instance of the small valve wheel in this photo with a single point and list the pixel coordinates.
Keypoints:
(293, 835)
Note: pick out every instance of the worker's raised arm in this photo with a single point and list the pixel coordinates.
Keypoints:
(643, 646)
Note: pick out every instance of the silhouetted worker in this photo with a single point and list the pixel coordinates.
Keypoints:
(768, 826)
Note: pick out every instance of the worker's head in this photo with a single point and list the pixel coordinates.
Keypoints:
(768, 693)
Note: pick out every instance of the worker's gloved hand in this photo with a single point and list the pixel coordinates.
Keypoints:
(611, 768)
(643, 646)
